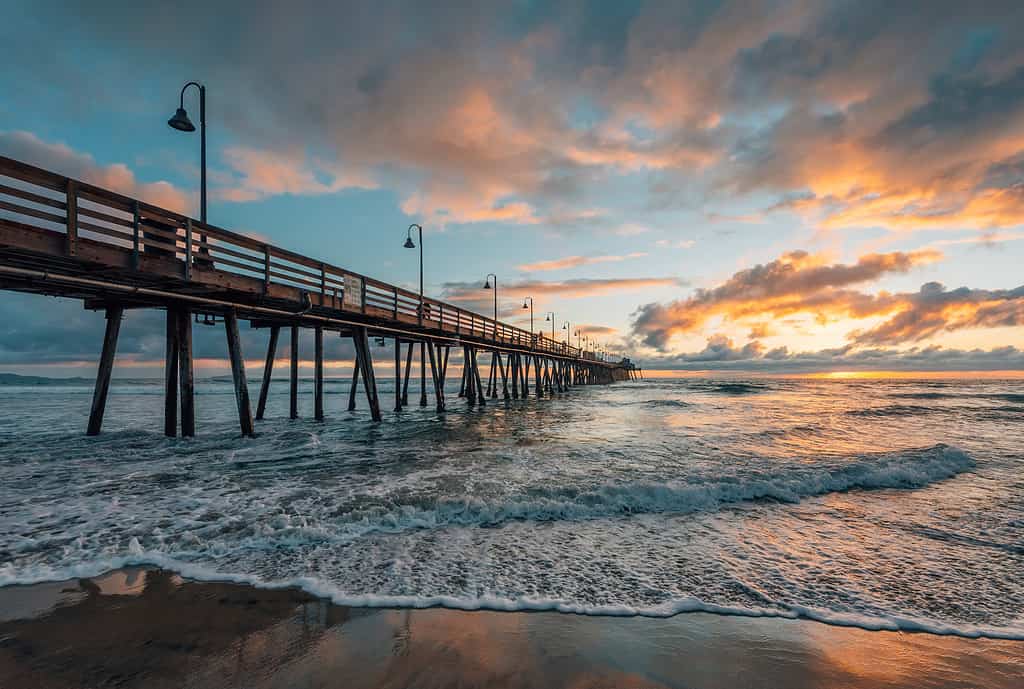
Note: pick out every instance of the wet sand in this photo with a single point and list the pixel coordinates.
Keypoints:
(145, 627)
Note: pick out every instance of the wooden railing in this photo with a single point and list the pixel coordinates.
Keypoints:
(33, 198)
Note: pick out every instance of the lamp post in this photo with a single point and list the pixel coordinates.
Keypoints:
(568, 331)
(487, 285)
(550, 316)
(531, 317)
(409, 244)
(182, 123)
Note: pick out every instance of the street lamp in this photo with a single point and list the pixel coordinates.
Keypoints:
(566, 328)
(409, 244)
(531, 317)
(487, 285)
(550, 316)
(182, 123)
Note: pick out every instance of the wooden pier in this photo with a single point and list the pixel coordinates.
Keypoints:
(63, 237)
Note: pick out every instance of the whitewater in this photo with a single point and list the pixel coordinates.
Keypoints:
(876, 504)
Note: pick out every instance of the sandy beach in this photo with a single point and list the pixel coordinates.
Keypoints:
(143, 627)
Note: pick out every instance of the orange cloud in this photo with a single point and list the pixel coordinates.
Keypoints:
(575, 262)
(265, 173)
(62, 158)
(796, 283)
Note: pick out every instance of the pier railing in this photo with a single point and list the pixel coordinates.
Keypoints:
(35, 199)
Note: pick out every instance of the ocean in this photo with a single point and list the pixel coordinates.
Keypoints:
(868, 503)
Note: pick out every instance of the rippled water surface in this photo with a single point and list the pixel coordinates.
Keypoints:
(894, 504)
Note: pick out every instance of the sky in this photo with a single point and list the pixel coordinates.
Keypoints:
(769, 187)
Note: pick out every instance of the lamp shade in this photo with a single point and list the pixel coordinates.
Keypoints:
(181, 122)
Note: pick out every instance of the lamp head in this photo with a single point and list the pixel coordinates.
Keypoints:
(547, 318)
(487, 284)
(181, 122)
(409, 243)
(524, 304)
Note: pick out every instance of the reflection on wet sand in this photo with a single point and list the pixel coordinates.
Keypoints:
(150, 628)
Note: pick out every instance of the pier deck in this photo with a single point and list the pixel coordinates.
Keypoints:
(64, 237)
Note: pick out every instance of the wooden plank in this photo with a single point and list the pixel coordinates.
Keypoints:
(293, 388)
(33, 197)
(238, 373)
(186, 374)
(171, 375)
(99, 397)
(268, 371)
(32, 212)
(318, 374)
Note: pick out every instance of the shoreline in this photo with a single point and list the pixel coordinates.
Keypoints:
(146, 626)
(316, 589)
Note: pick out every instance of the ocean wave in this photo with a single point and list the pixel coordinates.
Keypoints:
(729, 387)
(910, 469)
(670, 608)
(894, 410)
(672, 404)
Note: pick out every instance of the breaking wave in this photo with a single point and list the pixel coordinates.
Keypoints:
(911, 469)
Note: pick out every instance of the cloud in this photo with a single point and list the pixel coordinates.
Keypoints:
(677, 244)
(934, 310)
(466, 292)
(575, 262)
(797, 282)
(260, 174)
(721, 354)
(61, 158)
(501, 113)
(597, 330)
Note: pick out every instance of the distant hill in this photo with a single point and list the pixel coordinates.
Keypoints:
(15, 379)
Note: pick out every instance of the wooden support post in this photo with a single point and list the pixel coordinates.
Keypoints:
(99, 396)
(408, 369)
(476, 375)
(268, 371)
(171, 375)
(238, 373)
(423, 374)
(318, 373)
(504, 376)
(465, 374)
(444, 364)
(398, 374)
(513, 371)
(492, 378)
(293, 389)
(536, 375)
(362, 342)
(355, 384)
(468, 389)
(186, 375)
(435, 375)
